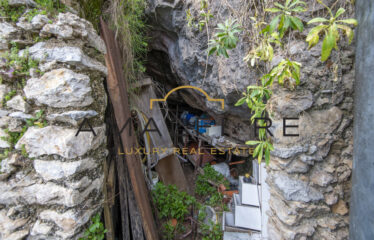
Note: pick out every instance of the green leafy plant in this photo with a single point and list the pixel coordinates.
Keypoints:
(225, 39)
(13, 13)
(24, 151)
(96, 231)
(128, 19)
(91, 10)
(172, 203)
(264, 50)
(287, 73)
(203, 187)
(12, 137)
(254, 98)
(205, 15)
(4, 155)
(262, 148)
(38, 120)
(168, 231)
(285, 20)
(330, 29)
(9, 96)
(33, 12)
(211, 231)
(203, 19)
(19, 65)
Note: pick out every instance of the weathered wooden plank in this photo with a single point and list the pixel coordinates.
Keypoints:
(168, 168)
(114, 144)
(117, 89)
(107, 208)
(135, 217)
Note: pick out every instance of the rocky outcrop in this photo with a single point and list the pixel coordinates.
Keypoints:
(309, 175)
(51, 176)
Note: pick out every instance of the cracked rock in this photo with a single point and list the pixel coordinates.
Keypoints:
(64, 54)
(56, 170)
(18, 103)
(296, 190)
(72, 117)
(61, 141)
(60, 88)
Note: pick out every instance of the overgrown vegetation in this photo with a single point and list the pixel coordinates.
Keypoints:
(91, 10)
(285, 20)
(18, 66)
(174, 206)
(225, 38)
(13, 137)
(330, 30)
(45, 7)
(127, 19)
(172, 203)
(96, 231)
(10, 12)
(287, 72)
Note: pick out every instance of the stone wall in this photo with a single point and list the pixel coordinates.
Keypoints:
(51, 179)
(309, 175)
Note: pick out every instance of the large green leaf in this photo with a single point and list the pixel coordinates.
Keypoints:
(240, 101)
(318, 19)
(348, 32)
(273, 10)
(339, 12)
(273, 24)
(328, 43)
(349, 21)
(313, 36)
(297, 22)
(252, 142)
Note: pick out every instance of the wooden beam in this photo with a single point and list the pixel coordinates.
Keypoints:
(117, 89)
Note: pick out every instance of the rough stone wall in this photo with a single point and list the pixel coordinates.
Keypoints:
(309, 175)
(51, 180)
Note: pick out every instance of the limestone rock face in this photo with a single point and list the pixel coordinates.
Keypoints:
(60, 88)
(61, 141)
(4, 89)
(69, 26)
(18, 103)
(16, 3)
(62, 169)
(7, 31)
(44, 194)
(50, 179)
(64, 54)
(68, 221)
(296, 190)
(72, 117)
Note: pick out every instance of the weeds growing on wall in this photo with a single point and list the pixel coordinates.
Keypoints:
(174, 206)
(91, 10)
(96, 231)
(265, 36)
(127, 19)
(44, 7)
